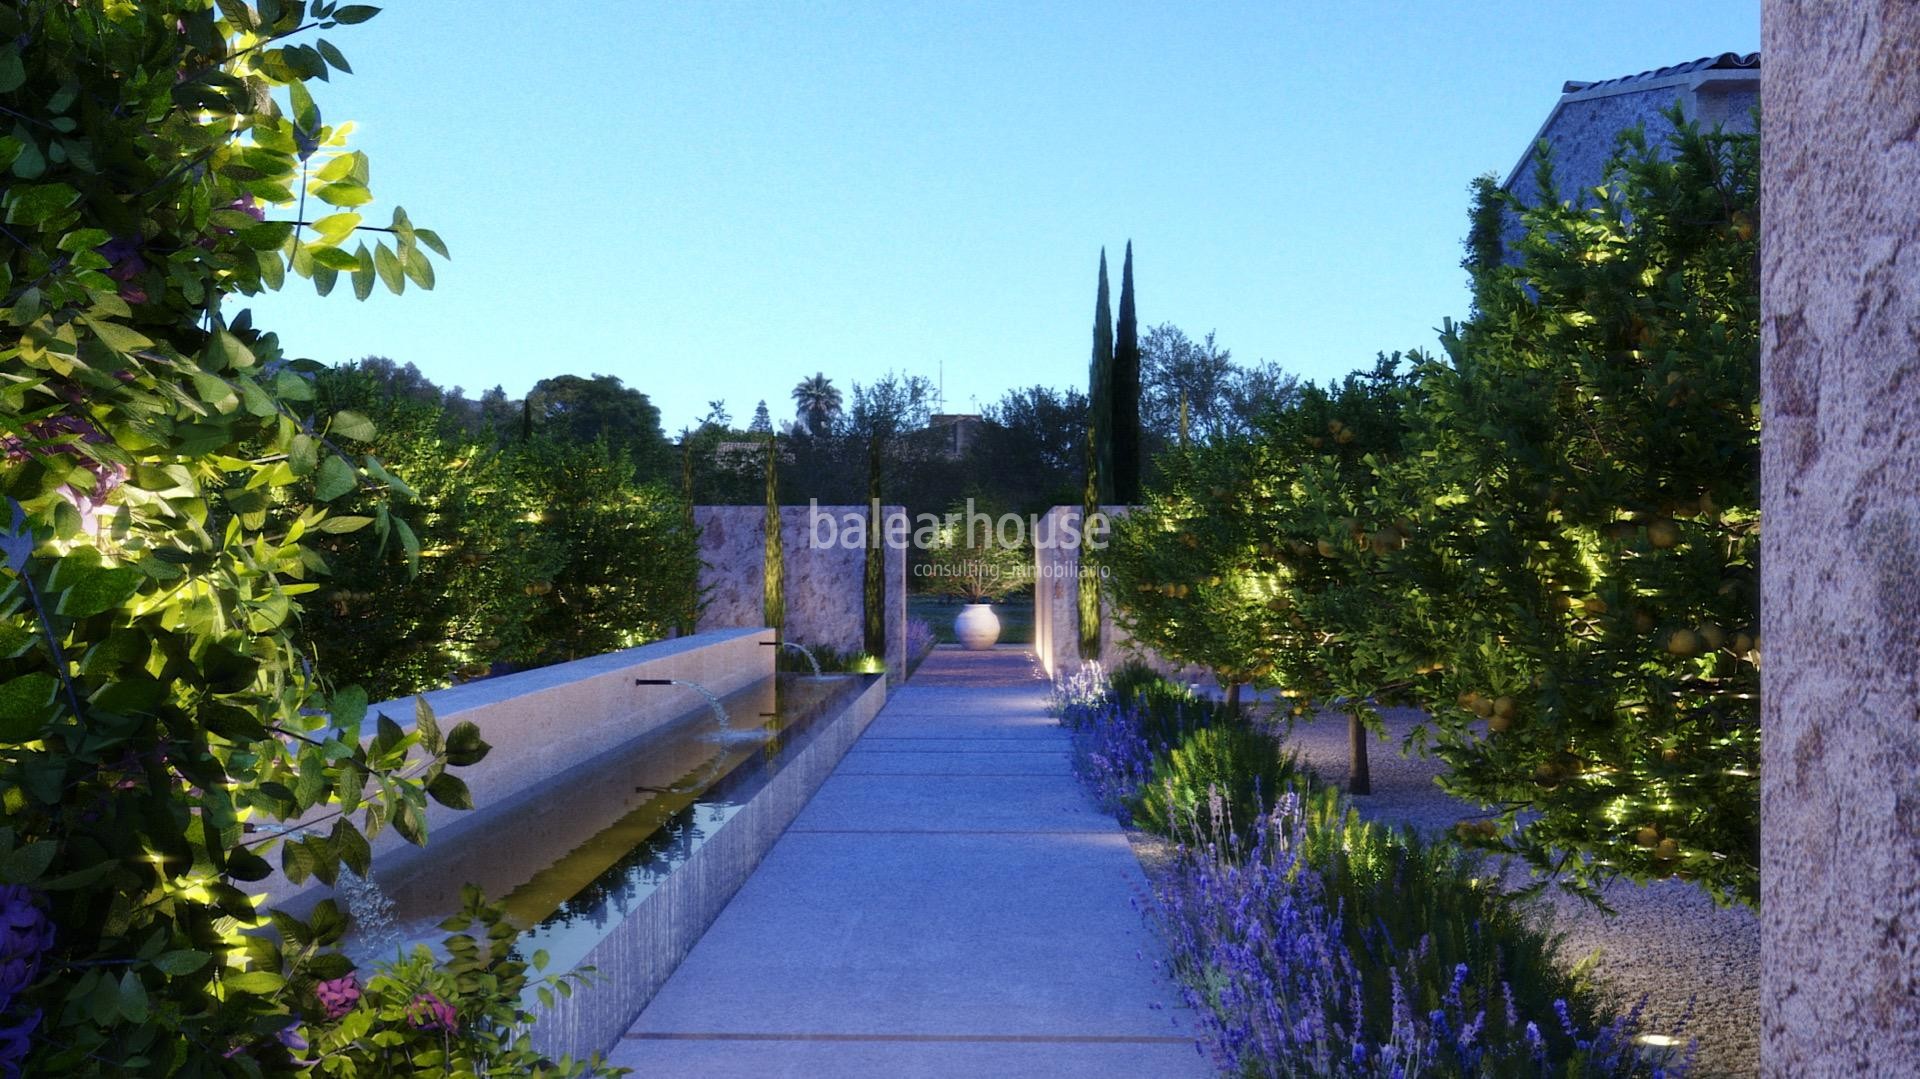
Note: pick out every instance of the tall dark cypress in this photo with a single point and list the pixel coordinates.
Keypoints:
(1100, 391)
(1125, 389)
(874, 595)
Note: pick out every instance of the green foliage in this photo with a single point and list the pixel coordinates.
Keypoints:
(536, 553)
(378, 623)
(1100, 393)
(610, 558)
(1485, 246)
(1087, 587)
(1241, 765)
(1549, 540)
(1585, 474)
(873, 590)
(569, 408)
(169, 473)
(968, 556)
(774, 559)
(1124, 419)
(466, 1016)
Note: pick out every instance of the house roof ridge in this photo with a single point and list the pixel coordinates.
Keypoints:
(1726, 61)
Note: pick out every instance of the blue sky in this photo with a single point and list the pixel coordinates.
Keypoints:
(714, 200)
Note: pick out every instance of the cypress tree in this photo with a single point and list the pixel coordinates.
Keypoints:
(1086, 586)
(1100, 392)
(1125, 391)
(774, 583)
(875, 593)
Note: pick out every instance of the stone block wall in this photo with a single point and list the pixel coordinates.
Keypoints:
(1840, 498)
(825, 580)
(1056, 604)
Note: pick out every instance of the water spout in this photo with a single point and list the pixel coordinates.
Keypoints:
(713, 700)
(811, 662)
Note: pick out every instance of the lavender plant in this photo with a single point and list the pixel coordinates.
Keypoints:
(1112, 756)
(1299, 959)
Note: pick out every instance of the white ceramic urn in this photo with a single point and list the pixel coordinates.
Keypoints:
(977, 626)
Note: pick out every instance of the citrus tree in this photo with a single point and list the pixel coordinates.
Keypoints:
(165, 467)
(1583, 472)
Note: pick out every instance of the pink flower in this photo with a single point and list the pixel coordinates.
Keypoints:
(339, 995)
(429, 1012)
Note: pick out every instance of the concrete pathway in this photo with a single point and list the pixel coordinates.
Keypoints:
(949, 904)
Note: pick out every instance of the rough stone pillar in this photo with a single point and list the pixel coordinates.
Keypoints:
(1840, 796)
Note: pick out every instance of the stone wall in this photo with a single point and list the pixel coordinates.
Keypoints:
(1056, 605)
(1840, 792)
(825, 582)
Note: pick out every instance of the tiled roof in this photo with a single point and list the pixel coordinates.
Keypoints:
(1726, 61)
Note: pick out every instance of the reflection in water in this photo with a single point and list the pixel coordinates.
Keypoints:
(571, 860)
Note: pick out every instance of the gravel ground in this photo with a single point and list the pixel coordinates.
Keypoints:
(1666, 941)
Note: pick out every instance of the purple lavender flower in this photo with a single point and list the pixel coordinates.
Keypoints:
(25, 936)
(429, 1012)
(16, 1042)
(339, 995)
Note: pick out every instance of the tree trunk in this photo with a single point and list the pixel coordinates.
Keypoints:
(1360, 778)
(1233, 698)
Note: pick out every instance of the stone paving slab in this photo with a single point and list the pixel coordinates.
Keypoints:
(945, 906)
(934, 763)
(951, 803)
(916, 1059)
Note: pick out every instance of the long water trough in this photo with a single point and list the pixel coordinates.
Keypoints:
(617, 843)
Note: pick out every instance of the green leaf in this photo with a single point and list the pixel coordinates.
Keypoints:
(433, 241)
(343, 193)
(336, 526)
(426, 724)
(355, 13)
(409, 543)
(28, 163)
(37, 203)
(12, 72)
(84, 240)
(255, 399)
(353, 847)
(215, 391)
(336, 478)
(99, 590)
(303, 455)
(363, 273)
(117, 337)
(224, 351)
(465, 746)
(337, 227)
(306, 114)
(182, 962)
(353, 425)
(256, 982)
(333, 55)
(389, 268)
(292, 386)
(333, 259)
(450, 791)
(419, 270)
(29, 863)
(133, 998)
(348, 706)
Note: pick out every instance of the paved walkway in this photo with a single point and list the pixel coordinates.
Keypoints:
(949, 904)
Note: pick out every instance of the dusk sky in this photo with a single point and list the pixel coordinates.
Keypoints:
(715, 200)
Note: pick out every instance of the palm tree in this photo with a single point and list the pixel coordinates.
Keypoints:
(818, 402)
